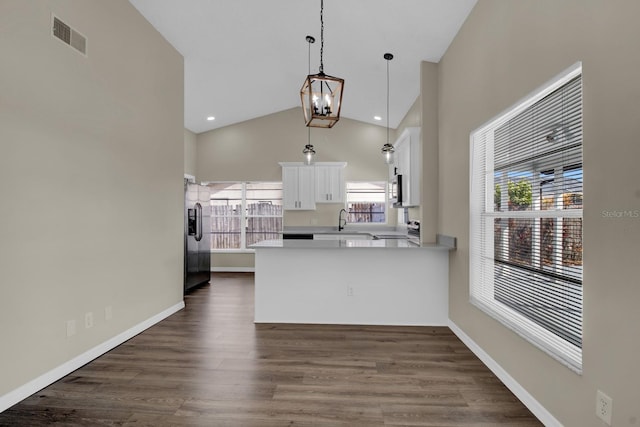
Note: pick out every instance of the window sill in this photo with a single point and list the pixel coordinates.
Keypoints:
(233, 251)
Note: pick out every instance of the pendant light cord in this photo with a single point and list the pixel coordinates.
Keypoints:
(310, 40)
(321, 35)
(388, 100)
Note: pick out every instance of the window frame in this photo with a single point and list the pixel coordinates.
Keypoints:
(386, 203)
(482, 232)
(243, 216)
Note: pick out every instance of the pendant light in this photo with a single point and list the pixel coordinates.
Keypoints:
(321, 94)
(387, 149)
(308, 150)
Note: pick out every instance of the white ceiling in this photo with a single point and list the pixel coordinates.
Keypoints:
(248, 58)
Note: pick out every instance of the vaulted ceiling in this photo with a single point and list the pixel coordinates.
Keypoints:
(248, 58)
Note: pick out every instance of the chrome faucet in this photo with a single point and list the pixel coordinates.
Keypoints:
(341, 222)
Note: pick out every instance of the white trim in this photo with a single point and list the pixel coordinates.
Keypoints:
(37, 384)
(233, 269)
(520, 392)
(232, 251)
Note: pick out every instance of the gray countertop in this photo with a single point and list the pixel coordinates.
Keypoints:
(349, 229)
(346, 244)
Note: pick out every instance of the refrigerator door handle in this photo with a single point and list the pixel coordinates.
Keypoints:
(198, 222)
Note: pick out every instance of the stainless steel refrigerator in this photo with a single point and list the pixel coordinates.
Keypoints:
(197, 235)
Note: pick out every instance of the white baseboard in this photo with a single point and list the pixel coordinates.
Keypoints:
(523, 395)
(37, 384)
(233, 269)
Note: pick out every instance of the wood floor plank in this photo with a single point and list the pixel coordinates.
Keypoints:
(209, 365)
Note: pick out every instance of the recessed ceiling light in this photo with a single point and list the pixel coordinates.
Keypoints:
(378, 118)
(210, 118)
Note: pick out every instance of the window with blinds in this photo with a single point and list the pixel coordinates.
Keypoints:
(526, 218)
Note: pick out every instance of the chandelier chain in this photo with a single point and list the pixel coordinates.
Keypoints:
(321, 35)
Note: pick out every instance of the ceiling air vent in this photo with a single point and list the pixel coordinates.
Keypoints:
(69, 36)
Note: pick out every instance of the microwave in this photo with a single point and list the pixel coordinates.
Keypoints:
(395, 191)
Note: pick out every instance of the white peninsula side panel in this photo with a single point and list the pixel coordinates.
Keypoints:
(363, 286)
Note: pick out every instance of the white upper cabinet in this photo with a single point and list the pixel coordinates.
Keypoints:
(330, 182)
(298, 187)
(408, 163)
(303, 186)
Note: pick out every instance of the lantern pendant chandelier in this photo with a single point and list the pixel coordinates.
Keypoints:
(387, 149)
(321, 94)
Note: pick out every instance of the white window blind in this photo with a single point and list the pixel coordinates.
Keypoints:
(526, 218)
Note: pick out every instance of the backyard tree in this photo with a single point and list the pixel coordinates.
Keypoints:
(519, 194)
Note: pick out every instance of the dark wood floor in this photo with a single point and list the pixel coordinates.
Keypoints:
(209, 365)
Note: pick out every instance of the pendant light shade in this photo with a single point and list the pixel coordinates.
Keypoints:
(387, 148)
(308, 152)
(387, 152)
(321, 94)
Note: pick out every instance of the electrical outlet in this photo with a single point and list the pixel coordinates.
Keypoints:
(71, 328)
(350, 291)
(88, 320)
(604, 407)
(108, 313)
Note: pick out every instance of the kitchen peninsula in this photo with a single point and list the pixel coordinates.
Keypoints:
(351, 280)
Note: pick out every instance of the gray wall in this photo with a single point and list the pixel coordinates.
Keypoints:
(505, 50)
(190, 152)
(91, 164)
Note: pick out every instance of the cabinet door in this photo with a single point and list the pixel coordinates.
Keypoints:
(408, 162)
(290, 187)
(329, 184)
(405, 162)
(298, 187)
(413, 158)
(306, 188)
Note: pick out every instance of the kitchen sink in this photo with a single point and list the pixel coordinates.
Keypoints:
(344, 236)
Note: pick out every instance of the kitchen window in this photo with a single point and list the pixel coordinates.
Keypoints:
(526, 218)
(244, 213)
(366, 202)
